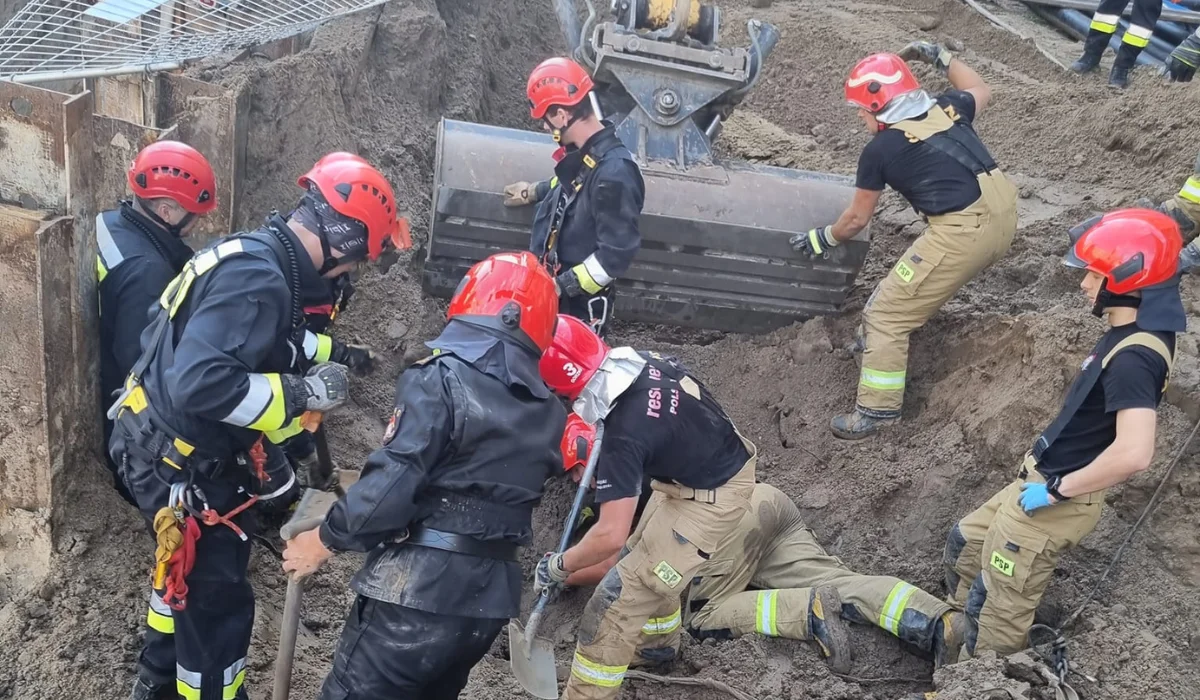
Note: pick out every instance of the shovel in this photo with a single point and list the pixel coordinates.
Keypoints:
(309, 514)
(532, 657)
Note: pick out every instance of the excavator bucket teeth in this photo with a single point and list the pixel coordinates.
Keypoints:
(715, 250)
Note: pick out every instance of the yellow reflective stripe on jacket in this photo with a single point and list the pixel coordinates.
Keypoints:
(176, 292)
(1106, 24)
(765, 613)
(662, 625)
(596, 674)
(317, 346)
(278, 437)
(586, 282)
(158, 615)
(883, 381)
(101, 270)
(274, 413)
(893, 607)
(553, 182)
(1191, 190)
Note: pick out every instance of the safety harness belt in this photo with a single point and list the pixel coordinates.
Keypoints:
(566, 195)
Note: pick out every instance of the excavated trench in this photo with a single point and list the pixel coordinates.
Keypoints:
(986, 373)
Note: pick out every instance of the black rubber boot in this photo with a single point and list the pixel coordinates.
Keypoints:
(146, 689)
(1093, 49)
(1126, 57)
(828, 629)
(857, 425)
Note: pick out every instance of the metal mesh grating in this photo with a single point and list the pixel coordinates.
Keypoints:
(51, 39)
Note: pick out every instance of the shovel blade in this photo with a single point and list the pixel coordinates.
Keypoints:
(532, 663)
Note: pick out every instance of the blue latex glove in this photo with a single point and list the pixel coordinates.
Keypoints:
(1034, 496)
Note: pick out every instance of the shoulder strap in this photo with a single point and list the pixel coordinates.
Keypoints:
(1146, 340)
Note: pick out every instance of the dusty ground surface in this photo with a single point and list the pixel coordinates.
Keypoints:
(986, 373)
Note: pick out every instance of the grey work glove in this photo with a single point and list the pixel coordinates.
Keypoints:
(928, 52)
(310, 474)
(814, 243)
(519, 194)
(359, 358)
(549, 572)
(1181, 64)
(324, 388)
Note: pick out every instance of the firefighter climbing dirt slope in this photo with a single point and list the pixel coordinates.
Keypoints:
(926, 149)
(1000, 558)
(221, 366)
(771, 579)
(140, 250)
(586, 226)
(660, 421)
(449, 497)
(1136, 38)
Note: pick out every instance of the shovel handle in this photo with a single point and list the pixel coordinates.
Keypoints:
(287, 641)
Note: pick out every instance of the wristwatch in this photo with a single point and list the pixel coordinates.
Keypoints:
(1052, 488)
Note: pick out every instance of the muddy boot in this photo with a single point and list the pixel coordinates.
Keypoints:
(1093, 49)
(948, 639)
(146, 689)
(857, 425)
(654, 658)
(828, 629)
(1126, 57)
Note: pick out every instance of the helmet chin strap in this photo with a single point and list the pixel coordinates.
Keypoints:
(556, 133)
(1107, 300)
(175, 230)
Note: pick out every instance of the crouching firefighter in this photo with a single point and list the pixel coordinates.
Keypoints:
(659, 420)
(1000, 558)
(444, 506)
(926, 149)
(222, 365)
(139, 250)
(585, 229)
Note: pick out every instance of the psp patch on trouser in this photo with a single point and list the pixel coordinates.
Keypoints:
(673, 540)
(1005, 560)
(954, 249)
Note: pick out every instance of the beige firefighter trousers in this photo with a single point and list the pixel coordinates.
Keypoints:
(955, 248)
(1188, 201)
(777, 555)
(1000, 560)
(678, 531)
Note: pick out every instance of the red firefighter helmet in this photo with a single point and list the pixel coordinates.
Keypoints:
(572, 360)
(877, 80)
(1132, 248)
(577, 442)
(176, 171)
(556, 81)
(357, 190)
(513, 288)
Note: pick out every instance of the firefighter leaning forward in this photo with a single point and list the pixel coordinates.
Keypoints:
(1000, 558)
(586, 226)
(926, 149)
(659, 420)
(223, 364)
(444, 505)
(139, 250)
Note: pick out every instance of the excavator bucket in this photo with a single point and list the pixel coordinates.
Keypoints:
(715, 250)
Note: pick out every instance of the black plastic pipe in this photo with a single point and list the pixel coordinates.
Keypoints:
(1077, 24)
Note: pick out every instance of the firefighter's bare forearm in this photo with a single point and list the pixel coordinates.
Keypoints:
(606, 537)
(964, 78)
(1129, 454)
(849, 224)
(591, 575)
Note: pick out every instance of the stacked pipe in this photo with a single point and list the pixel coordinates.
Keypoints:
(1179, 19)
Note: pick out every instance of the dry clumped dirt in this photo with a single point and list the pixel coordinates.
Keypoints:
(987, 372)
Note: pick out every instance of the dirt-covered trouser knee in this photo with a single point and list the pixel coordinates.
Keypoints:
(674, 538)
(390, 652)
(955, 248)
(201, 648)
(1015, 562)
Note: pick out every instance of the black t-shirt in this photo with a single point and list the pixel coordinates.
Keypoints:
(668, 427)
(1135, 378)
(931, 181)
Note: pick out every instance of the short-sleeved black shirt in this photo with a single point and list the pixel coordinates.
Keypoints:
(931, 181)
(1134, 378)
(667, 426)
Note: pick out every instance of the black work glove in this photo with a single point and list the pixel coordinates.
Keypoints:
(359, 358)
(814, 243)
(1181, 64)
(928, 52)
(567, 284)
(310, 474)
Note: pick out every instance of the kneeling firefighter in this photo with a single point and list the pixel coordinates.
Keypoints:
(926, 149)
(445, 504)
(661, 421)
(1000, 558)
(586, 227)
(222, 365)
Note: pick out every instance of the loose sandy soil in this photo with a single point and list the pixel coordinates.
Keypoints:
(986, 373)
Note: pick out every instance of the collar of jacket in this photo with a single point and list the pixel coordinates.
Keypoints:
(616, 374)
(494, 353)
(178, 252)
(315, 290)
(599, 144)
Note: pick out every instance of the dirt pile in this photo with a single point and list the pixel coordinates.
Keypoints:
(986, 373)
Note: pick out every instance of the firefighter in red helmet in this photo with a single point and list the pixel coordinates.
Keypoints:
(223, 377)
(926, 149)
(449, 496)
(1000, 558)
(585, 229)
(139, 250)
